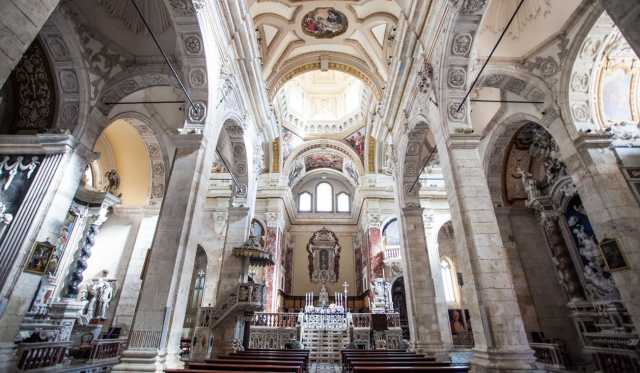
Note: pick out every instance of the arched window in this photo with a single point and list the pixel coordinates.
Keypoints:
(324, 197)
(304, 202)
(447, 280)
(343, 203)
(391, 240)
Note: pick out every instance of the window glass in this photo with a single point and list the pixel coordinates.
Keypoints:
(324, 197)
(447, 279)
(343, 202)
(304, 202)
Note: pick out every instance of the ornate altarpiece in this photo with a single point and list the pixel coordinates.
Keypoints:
(324, 257)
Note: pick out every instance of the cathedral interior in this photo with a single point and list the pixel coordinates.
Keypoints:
(320, 186)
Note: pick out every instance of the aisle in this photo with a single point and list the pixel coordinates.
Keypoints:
(325, 368)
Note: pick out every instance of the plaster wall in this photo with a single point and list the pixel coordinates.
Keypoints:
(301, 234)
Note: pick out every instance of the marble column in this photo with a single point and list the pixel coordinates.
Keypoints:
(147, 348)
(420, 292)
(274, 246)
(500, 338)
(231, 275)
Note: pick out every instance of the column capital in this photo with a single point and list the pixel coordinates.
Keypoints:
(463, 141)
(412, 210)
(187, 140)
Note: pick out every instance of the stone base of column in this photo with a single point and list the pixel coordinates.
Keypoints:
(140, 361)
(504, 362)
(8, 357)
(438, 351)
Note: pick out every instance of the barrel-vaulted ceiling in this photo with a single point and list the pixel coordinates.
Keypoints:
(297, 36)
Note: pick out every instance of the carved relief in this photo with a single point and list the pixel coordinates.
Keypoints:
(192, 44)
(457, 77)
(461, 45)
(34, 91)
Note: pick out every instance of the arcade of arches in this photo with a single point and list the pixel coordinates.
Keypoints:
(283, 168)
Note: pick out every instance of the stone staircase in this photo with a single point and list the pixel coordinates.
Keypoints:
(325, 344)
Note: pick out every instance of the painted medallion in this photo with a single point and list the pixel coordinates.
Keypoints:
(324, 23)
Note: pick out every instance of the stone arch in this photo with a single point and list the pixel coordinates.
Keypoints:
(495, 156)
(157, 155)
(142, 128)
(581, 77)
(576, 104)
(63, 48)
(457, 60)
(131, 81)
(336, 61)
(419, 147)
(231, 148)
(314, 145)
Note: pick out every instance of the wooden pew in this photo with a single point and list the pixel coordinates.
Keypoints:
(381, 356)
(208, 371)
(420, 369)
(240, 367)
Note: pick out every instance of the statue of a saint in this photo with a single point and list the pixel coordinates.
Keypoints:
(103, 294)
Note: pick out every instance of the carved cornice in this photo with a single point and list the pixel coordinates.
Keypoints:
(36, 144)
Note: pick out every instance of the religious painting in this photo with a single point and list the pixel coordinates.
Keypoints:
(324, 23)
(598, 281)
(460, 327)
(289, 141)
(324, 257)
(39, 258)
(356, 141)
(323, 160)
(61, 245)
(613, 256)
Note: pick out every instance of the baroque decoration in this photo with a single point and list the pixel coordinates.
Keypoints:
(324, 23)
(324, 257)
(33, 92)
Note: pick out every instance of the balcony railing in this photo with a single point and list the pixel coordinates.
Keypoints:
(274, 320)
(551, 355)
(247, 297)
(41, 354)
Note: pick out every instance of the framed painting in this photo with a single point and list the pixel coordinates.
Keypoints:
(324, 23)
(39, 259)
(613, 256)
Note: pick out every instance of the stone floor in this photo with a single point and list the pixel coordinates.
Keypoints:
(325, 368)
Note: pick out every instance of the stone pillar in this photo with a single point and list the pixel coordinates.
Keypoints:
(612, 209)
(626, 15)
(231, 275)
(420, 293)
(20, 23)
(500, 338)
(433, 253)
(157, 304)
(143, 223)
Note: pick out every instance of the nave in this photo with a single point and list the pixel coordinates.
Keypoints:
(351, 186)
